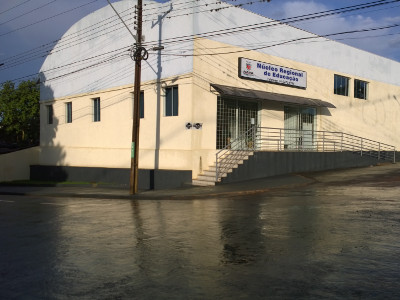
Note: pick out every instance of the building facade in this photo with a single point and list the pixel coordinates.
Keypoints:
(211, 85)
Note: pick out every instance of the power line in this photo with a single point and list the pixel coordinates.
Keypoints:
(7, 10)
(65, 41)
(40, 21)
(107, 60)
(288, 41)
(126, 49)
(74, 38)
(35, 9)
(362, 6)
(111, 58)
(272, 23)
(232, 30)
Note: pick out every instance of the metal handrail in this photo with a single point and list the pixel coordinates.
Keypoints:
(234, 151)
(279, 139)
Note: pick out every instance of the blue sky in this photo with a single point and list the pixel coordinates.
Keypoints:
(28, 24)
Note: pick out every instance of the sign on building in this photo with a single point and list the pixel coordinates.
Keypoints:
(261, 71)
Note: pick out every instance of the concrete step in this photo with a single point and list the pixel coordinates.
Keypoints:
(231, 161)
(202, 183)
(202, 177)
(213, 171)
(209, 173)
(242, 155)
(234, 159)
(225, 166)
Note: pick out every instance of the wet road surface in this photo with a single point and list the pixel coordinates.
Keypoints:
(334, 239)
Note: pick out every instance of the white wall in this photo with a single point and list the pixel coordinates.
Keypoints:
(96, 57)
(89, 49)
(164, 142)
(15, 165)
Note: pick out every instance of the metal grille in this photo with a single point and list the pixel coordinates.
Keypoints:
(300, 124)
(234, 118)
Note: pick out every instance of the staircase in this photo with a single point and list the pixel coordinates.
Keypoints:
(230, 161)
(277, 139)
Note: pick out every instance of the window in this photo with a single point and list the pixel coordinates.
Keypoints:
(360, 89)
(141, 105)
(341, 85)
(96, 110)
(68, 112)
(171, 101)
(50, 114)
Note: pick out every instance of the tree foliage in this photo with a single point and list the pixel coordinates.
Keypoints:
(19, 113)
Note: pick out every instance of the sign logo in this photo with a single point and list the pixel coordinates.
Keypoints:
(248, 66)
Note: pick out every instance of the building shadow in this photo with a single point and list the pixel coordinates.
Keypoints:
(52, 153)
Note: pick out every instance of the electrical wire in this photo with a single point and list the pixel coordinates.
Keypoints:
(353, 7)
(7, 10)
(66, 41)
(271, 23)
(288, 41)
(261, 26)
(40, 21)
(24, 14)
(71, 37)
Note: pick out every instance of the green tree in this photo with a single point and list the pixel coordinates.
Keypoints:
(19, 113)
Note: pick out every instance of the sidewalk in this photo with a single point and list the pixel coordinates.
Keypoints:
(382, 172)
(188, 192)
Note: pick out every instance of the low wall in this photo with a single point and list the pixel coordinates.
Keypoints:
(266, 164)
(147, 179)
(15, 165)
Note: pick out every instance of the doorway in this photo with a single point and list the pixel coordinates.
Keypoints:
(234, 119)
(300, 127)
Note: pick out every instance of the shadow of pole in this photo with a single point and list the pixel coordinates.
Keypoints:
(158, 89)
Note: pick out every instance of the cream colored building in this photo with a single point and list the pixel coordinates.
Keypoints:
(210, 85)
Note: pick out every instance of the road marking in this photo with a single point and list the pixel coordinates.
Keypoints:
(6, 201)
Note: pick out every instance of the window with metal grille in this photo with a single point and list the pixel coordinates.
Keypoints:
(171, 101)
(360, 89)
(96, 109)
(341, 85)
(68, 112)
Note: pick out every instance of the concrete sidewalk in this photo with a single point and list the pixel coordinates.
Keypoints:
(375, 174)
(187, 192)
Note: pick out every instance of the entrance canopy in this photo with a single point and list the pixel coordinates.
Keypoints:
(231, 91)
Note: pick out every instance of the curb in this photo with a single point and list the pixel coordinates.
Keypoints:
(162, 195)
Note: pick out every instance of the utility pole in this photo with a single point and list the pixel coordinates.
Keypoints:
(139, 54)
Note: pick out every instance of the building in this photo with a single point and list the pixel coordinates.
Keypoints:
(226, 75)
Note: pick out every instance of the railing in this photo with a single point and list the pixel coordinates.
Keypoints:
(234, 151)
(278, 139)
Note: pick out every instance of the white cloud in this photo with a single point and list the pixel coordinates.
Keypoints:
(379, 44)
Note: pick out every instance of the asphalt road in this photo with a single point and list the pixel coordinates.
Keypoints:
(335, 239)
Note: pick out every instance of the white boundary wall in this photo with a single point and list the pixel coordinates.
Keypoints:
(15, 165)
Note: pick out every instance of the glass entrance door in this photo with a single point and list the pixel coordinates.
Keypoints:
(300, 124)
(234, 119)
